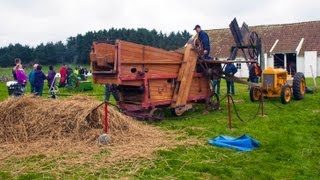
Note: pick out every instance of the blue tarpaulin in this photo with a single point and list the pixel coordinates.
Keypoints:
(242, 143)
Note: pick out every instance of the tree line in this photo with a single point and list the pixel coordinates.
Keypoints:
(76, 49)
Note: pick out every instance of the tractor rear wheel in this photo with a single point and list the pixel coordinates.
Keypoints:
(286, 94)
(255, 94)
(299, 86)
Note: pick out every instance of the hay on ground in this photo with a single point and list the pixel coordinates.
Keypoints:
(36, 125)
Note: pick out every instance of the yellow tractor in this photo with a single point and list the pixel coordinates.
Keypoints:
(278, 83)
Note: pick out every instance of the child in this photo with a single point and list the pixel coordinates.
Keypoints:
(39, 78)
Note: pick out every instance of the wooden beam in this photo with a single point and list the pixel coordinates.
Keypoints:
(185, 76)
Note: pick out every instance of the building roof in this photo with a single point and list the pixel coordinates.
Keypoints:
(289, 36)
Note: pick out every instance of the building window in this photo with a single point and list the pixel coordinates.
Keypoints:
(238, 65)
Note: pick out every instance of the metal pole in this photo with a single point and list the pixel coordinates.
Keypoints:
(106, 116)
(262, 107)
(229, 111)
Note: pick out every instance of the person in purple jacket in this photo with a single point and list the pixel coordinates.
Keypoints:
(50, 78)
(39, 78)
(21, 77)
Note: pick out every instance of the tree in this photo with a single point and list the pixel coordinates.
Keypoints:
(77, 49)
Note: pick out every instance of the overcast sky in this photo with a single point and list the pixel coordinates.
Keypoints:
(34, 21)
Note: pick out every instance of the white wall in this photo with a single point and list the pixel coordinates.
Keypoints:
(270, 61)
(310, 59)
(244, 71)
(300, 64)
(265, 60)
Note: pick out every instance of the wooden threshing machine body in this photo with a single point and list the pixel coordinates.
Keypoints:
(149, 77)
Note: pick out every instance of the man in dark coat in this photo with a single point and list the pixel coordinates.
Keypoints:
(230, 70)
(254, 72)
(50, 78)
(205, 41)
(39, 78)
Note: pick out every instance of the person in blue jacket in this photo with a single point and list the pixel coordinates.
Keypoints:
(230, 70)
(39, 78)
(205, 41)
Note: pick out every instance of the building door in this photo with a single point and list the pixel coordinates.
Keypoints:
(278, 61)
(291, 64)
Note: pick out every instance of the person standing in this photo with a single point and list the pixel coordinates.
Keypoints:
(205, 41)
(229, 71)
(69, 75)
(31, 78)
(63, 76)
(21, 77)
(216, 77)
(39, 78)
(50, 78)
(16, 61)
(254, 72)
(111, 88)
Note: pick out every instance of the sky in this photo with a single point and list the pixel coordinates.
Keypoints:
(31, 22)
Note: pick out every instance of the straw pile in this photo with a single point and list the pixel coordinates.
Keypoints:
(31, 125)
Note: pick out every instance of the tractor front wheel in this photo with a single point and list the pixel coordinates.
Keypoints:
(286, 94)
(255, 94)
(299, 86)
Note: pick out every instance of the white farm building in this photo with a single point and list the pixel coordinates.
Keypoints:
(295, 47)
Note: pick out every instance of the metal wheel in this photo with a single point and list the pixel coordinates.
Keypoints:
(255, 94)
(156, 114)
(213, 101)
(255, 43)
(286, 94)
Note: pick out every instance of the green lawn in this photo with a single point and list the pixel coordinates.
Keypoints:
(289, 137)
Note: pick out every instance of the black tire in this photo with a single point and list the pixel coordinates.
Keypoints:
(255, 94)
(299, 86)
(286, 94)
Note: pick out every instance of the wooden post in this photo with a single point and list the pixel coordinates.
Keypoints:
(106, 117)
(261, 104)
(229, 110)
(314, 80)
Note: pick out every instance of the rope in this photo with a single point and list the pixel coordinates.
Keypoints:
(235, 108)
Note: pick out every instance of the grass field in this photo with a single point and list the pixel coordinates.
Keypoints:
(289, 137)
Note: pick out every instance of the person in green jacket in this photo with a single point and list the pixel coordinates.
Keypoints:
(31, 78)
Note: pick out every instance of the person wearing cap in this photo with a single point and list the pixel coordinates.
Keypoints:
(204, 39)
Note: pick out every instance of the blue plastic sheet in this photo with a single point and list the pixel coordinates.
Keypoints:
(242, 143)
